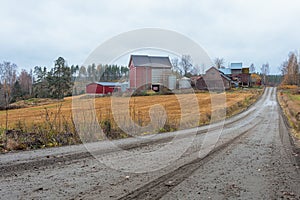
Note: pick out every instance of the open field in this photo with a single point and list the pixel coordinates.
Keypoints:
(56, 118)
(289, 99)
(141, 106)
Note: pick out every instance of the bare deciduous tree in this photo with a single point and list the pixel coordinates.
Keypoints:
(196, 70)
(25, 80)
(219, 62)
(265, 70)
(252, 68)
(290, 70)
(175, 65)
(7, 80)
(186, 64)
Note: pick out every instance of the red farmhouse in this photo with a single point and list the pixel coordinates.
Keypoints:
(100, 88)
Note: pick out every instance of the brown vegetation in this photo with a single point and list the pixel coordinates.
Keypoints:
(289, 99)
(290, 70)
(52, 124)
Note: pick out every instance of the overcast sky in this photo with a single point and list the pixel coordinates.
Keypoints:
(257, 31)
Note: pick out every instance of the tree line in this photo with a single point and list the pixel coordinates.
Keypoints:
(56, 82)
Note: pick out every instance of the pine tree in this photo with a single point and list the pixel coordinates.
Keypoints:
(60, 79)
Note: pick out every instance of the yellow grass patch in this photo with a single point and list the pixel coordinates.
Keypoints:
(289, 99)
(139, 108)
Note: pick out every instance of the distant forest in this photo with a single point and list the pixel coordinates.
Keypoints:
(56, 82)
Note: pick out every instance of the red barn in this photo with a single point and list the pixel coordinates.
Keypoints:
(147, 70)
(100, 87)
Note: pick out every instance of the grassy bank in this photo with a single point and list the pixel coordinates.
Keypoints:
(289, 99)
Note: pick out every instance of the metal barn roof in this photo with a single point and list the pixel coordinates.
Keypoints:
(151, 61)
(226, 71)
(238, 65)
(107, 83)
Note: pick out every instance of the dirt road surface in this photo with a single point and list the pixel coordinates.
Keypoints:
(252, 159)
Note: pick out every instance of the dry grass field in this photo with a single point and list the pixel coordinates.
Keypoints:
(289, 99)
(167, 113)
(141, 106)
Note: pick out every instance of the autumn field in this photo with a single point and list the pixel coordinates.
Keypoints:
(169, 112)
(289, 99)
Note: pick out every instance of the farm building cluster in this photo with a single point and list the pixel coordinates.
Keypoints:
(154, 72)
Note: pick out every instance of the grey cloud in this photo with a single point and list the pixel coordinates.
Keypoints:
(35, 32)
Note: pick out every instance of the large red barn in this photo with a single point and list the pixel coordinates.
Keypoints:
(100, 88)
(147, 70)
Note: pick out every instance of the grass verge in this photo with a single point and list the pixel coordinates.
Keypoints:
(289, 100)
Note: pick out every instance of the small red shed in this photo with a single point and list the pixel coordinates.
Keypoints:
(100, 87)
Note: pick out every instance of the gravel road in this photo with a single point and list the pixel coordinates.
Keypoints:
(252, 158)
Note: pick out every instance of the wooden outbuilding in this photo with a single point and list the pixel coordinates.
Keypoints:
(213, 80)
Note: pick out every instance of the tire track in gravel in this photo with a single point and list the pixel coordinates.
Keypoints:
(160, 186)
